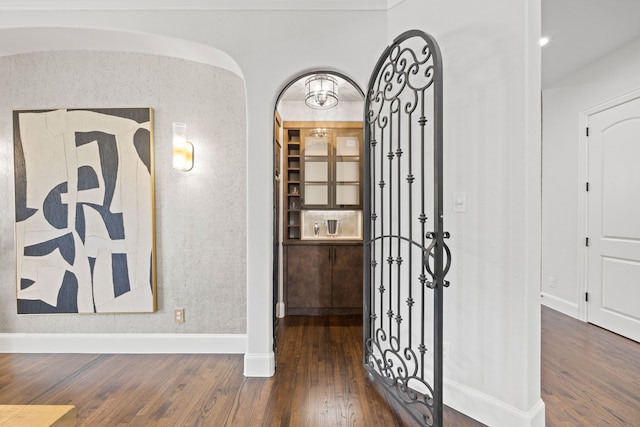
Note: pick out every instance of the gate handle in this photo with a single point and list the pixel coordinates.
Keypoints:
(429, 254)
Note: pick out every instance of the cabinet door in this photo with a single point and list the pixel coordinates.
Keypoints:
(309, 276)
(347, 276)
(332, 168)
(348, 169)
(316, 169)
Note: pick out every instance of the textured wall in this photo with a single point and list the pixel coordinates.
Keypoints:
(200, 215)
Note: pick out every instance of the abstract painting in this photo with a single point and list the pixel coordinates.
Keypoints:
(84, 211)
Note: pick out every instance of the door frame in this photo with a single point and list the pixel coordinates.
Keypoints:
(583, 170)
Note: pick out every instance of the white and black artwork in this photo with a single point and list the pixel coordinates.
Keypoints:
(84, 211)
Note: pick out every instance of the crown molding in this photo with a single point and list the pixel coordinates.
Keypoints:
(238, 5)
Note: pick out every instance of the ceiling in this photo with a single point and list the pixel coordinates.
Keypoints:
(582, 31)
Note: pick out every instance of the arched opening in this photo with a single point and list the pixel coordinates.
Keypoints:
(205, 207)
(317, 198)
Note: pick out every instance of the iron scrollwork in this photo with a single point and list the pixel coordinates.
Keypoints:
(403, 294)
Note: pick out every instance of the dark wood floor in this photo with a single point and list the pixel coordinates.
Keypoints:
(590, 377)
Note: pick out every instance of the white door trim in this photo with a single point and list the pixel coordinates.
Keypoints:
(583, 171)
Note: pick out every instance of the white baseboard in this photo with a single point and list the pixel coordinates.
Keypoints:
(123, 343)
(563, 306)
(255, 365)
(259, 365)
(489, 410)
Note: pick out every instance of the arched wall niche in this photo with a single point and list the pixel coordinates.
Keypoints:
(46, 67)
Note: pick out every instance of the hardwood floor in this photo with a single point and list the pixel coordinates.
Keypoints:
(590, 377)
(319, 382)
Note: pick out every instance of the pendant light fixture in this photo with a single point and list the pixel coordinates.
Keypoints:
(321, 92)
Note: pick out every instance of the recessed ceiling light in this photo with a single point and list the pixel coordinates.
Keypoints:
(544, 40)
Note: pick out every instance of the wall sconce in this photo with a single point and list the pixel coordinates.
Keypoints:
(182, 149)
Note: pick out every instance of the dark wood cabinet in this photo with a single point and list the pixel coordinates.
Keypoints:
(322, 180)
(331, 169)
(308, 276)
(323, 279)
(322, 170)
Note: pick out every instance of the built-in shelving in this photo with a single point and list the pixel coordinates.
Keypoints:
(293, 202)
(322, 170)
(322, 182)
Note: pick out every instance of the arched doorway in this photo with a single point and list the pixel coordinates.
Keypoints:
(294, 210)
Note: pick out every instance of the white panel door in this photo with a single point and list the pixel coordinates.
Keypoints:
(613, 260)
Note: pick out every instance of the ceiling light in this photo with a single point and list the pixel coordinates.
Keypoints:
(544, 40)
(321, 92)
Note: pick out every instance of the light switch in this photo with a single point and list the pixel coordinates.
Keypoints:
(459, 202)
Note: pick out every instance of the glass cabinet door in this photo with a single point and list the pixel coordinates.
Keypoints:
(331, 168)
(347, 179)
(316, 169)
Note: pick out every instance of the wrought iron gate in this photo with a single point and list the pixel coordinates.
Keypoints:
(406, 259)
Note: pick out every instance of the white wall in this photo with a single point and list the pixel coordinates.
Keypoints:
(492, 152)
(563, 220)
